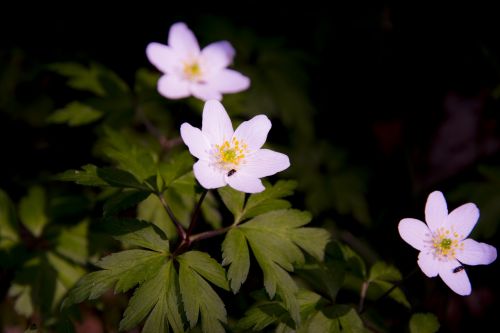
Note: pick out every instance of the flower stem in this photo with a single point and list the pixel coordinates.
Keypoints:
(180, 229)
(165, 143)
(196, 213)
(209, 234)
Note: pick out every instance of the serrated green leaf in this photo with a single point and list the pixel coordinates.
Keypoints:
(178, 165)
(32, 210)
(235, 254)
(200, 299)
(120, 178)
(123, 200)
(206, 266)
(121, 270)
(72, 242)
(384, 272)
(152, 210)
(233, 199)
(261, 316)
(424, 323)
(266, 206)
(136, 233)
(87, 176)
(75, 114)
(8, 222)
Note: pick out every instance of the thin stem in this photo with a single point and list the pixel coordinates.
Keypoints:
(180, 229)
(196, 213)
(362, 296)
(209, 234)
(162, 139)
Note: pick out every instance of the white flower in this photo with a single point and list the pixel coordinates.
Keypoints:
(227, 157)
(443, 242)
(189, 71)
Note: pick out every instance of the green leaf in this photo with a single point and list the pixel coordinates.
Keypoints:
(87, 176)
(178, 165)
(80, 77)
(72, 242)
(207, 267)
(200, 299)
(384, 276)
(266, 206)
(137, 233)
(32, 210)
(424, 323)
(123, 200)
(120, 178)
(75, 114)
(22, 304)
(233, 199)
(235, 254)
(260, 202)
(121, 270)
(8, 222)
(152, 210)
(337, 318)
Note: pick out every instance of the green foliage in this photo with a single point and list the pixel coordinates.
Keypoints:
(8, 222)
(75, 114)
(384, 276)
(32, 210)
(424, 323)
(87, 176)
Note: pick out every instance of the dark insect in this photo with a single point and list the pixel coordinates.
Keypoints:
(231, 172)
(458, 269)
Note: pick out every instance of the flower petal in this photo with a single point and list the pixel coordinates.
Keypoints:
(253, 132)
(205, 91)
(183, 41)
(196, 141)
(217, 55)
(463, 219)
(436, 210)
(428, 264)
(207, 176)
(216, 125)
(459, 281)
(414, 232)
(245, 183)
(228, 81)
(476, 253)
(265, 162)
(162, 57)
(172, 87)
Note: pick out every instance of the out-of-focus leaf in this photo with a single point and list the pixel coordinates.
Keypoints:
(200, 299)
(266, 201)
(32, 210)
(72, 242)
(338, 319)
(384, 276)
(152, 210)
(233, 199)
(137, 233)
(424, 323)
(123, 200)
(176, 166)
(22, 304)
(75, 114)
(8, 222)
(120, 178)
(87, 176)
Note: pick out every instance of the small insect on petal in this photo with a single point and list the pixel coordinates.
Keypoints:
(231, 172)
(458, 269)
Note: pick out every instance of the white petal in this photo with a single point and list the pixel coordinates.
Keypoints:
(414, 232)
(463, 219)
(195, 140)
(265, 162)
(172, 87)
(436, 210)
(253, 132)
(245, 183)
(228, 81)
(459, 281)
(216, 125)
(205, 91)
(217, 55)
(475, 253)
(207, 176)
(428, 264)
(183, 41)
(162, 57)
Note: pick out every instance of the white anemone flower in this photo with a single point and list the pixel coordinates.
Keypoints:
(443, 243)
(231, 157)
(190, 71)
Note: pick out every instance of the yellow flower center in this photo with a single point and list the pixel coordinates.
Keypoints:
(192, 71)
(446, 243)
(230, 154)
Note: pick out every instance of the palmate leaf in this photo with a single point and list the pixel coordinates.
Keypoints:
(276, 239)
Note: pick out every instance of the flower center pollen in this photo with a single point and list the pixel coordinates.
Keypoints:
(230, 154)
(446, 243)
(192, 71)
